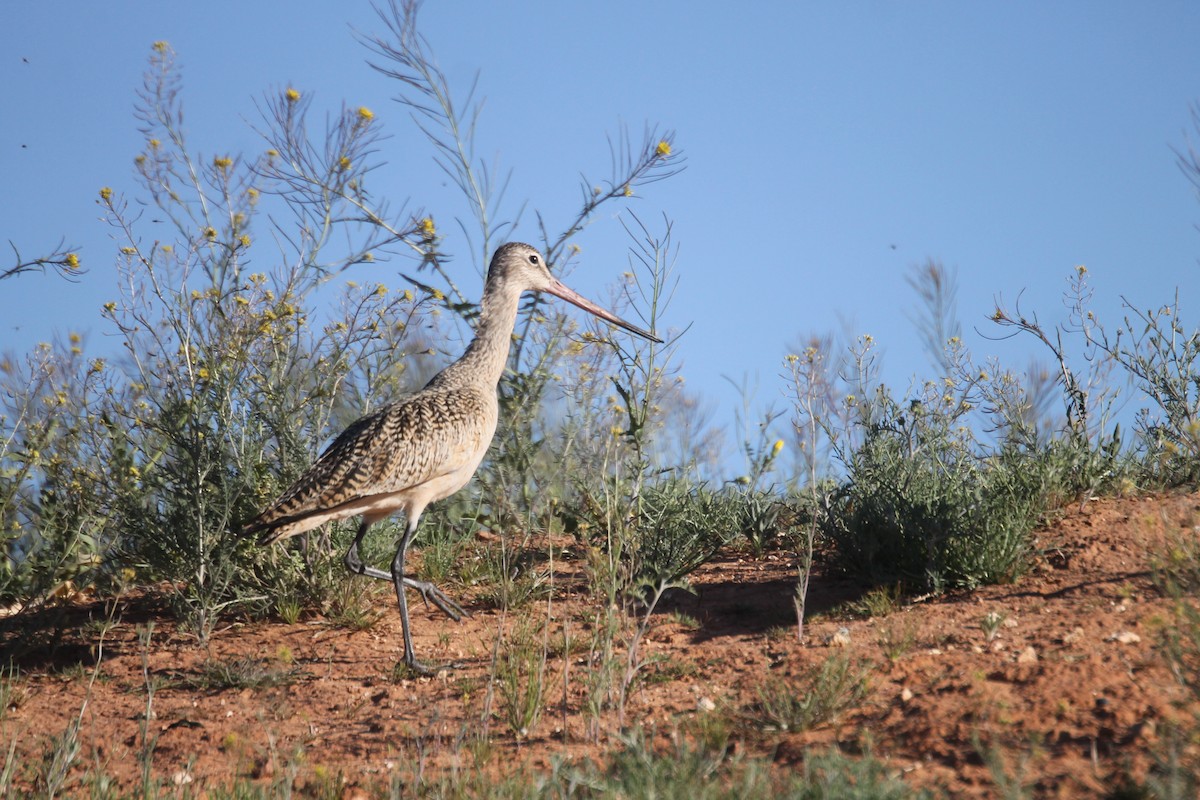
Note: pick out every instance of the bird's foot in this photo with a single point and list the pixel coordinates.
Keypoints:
(432, 594)
(411, 668)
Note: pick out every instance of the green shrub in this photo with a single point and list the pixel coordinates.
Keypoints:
(681, 526)
(921, 507)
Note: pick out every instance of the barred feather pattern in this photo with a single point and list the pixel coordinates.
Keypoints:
(396, 451)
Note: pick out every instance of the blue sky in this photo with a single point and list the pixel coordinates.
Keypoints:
(830, 147)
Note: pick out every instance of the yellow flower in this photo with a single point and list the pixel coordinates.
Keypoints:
(1081, 269)
(202, 373)
(344, 163)
(775, 448)
(161, 46)
(73, 338)
(71, 261)
(365, 114)
(155, 144)
(244, 240)
(291, 95)
(106, 194)
(128, 250)
(110, 306)
(242, 301)
(437, 295)
(222, 162)
(381, 290)
(427, 228)
(663, 149)
(272, 153)
(252, 195)
(628, 192)
(368, 257)
(210, 233)
(408, 295)
(134, 472)
(166, 248)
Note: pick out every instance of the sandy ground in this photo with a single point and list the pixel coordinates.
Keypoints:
(1070, 687)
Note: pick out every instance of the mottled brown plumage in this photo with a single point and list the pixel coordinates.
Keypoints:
(425, 447)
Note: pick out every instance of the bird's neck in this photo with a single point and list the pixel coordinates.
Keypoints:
(483, 362)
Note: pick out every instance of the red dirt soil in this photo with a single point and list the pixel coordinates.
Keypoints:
(1073, 688)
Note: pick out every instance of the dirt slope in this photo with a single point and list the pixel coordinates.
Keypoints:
(1071, 691)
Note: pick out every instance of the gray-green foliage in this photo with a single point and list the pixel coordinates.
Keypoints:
(682, 524)
(924, 506)
(230, 379)
(817, 696)
(58, 463)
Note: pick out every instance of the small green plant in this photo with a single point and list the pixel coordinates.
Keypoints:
(521, 676)
(833, 775)
(11, 693)
(239, 673)
(148, 740)
(687, 771)
(817, 696)
(1011, 780)
(879, 602)
(991, 624)
(509, 577)
(897, 638)
(758, 520)
(681, 526)
(289, 608)
(354, 604)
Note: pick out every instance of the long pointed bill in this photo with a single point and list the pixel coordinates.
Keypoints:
(559, 289)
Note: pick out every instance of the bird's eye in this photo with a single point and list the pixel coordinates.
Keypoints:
(533, 259)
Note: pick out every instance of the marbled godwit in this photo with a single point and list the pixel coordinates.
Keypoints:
(425, 447)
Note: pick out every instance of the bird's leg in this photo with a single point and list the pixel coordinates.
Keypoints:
(429, 592)
(410, 658)
(354, 562)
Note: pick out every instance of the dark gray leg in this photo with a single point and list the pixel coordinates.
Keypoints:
(429, 592)
(398, 581)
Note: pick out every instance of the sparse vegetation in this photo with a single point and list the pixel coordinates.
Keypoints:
(814, 698)
(599, 500)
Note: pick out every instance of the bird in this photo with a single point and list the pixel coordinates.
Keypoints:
(423, 447)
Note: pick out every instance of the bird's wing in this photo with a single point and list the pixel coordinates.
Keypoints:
(400, 446)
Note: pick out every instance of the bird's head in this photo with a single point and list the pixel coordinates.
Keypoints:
(522, 265)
